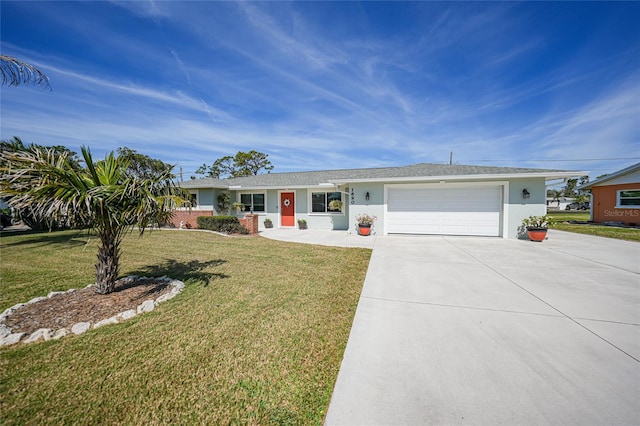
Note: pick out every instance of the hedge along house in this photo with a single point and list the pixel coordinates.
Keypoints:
(423, 198)
(616, 197)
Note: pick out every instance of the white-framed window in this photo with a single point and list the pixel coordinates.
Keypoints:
(320, 201)
(194, 199)
(628, 198)
(254, 202)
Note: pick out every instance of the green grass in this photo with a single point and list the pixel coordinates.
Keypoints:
(256, 337)
(562, 217)
(565, 215)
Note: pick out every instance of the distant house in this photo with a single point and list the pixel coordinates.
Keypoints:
(435, 199)
(560, 203)
(616, 197)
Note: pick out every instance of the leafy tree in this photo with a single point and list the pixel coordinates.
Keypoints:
(242, 164)
(250, 163)
(570, 190)
(222, 167)
(142, 166)
(102, 193)
(15, 72)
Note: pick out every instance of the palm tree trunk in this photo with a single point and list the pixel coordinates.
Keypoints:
(108, 265)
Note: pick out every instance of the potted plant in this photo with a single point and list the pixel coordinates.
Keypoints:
(364, 223)
(238, 207)
(537, 227)
(335, 205)
(302, 224)
(268, 223)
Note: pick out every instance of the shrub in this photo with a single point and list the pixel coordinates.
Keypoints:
(224, 224)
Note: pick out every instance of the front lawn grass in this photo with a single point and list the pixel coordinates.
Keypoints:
(256, 337)
(561, 219)
(566, 215)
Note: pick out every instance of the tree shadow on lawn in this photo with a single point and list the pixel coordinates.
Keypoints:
(193, 270)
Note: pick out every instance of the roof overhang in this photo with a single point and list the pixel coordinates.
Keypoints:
(546, 175)
(597, 182)
(280, 187)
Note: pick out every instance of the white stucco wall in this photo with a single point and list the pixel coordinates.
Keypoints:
(515, 208)
(519, 208)
(358, 205)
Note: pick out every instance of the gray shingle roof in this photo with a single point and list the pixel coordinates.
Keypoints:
(205, 183)
(417, 171)
(626, 170)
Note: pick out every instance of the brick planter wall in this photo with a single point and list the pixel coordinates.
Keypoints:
(190, 218)
(250, 223)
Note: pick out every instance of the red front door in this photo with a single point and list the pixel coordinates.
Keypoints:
(287, 209)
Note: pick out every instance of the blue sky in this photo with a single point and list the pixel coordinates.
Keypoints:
(331, 85)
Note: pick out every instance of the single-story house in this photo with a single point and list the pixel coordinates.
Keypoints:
(616, 197)
(439, 199)
(560, 203)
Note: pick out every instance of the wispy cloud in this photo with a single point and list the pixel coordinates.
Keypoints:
(181, 66)
(326, 85)
(145, 8)
(177, 98)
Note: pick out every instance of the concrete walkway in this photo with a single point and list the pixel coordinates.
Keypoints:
(320, 237)
(488, 331)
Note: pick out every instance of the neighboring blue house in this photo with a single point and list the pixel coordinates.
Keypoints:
(436, 199)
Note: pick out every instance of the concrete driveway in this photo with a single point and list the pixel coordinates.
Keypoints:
(488, 331)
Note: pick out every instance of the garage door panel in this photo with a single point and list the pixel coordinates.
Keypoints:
(459, 211)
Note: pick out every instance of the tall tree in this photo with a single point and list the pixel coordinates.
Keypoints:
(570, 190)
(141, 165)
(103, 193)
(251, 163)
(222, 167)
(242, 164)
(15, 72)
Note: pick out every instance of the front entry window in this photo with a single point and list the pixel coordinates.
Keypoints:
(253, 202)
(320, 202)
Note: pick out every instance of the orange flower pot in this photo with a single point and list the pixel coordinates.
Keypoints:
(537, 234)
(364, 229)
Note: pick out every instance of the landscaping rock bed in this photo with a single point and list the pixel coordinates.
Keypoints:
(78, 310)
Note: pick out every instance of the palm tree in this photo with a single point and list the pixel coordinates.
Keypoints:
(15, 72)
(556, 195)
(101, 193)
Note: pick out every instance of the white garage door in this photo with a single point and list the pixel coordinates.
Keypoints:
(444, 211)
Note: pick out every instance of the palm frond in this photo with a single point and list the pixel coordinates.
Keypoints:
(16, 72)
